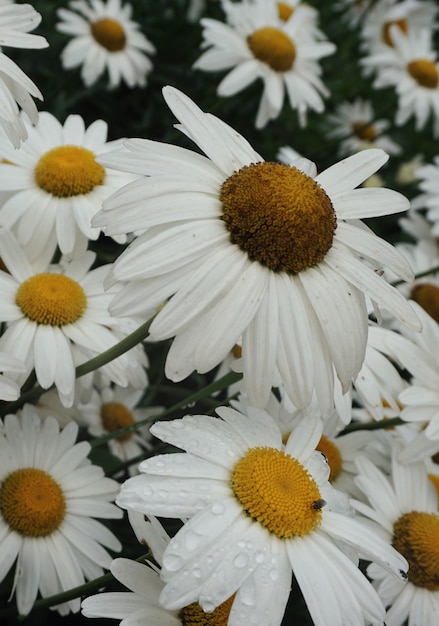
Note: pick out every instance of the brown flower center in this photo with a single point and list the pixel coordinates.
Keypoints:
(278, 215)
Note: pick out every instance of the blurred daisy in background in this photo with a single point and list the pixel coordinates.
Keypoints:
(405, 506)
(257, 43)
(115, 407)
(258, 511)
(411, 68)
(406, 15)
(55, 185)
(354, 124)
(16, 89)
(57, 317)
(105, 38)
(238, 264)
(428, 182)
(49, 496)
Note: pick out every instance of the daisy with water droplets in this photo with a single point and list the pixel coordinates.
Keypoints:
(57, 317)
(105, 38)
(55, 184)
(16, 89)
(411, 68)
(141, 604)
(354, 124)
(405, 506)
(258, 511)
(116, 407)
(262, 252)
(257, 42)
(49, 496)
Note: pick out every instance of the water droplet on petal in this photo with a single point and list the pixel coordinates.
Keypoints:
(273, 574)
(259, 556)
(217, 508)
(240, 560)
(172, 562)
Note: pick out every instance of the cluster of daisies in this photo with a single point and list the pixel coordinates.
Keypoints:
(211, 364)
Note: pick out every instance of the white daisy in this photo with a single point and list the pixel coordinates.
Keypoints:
(56, 185)
(258, 511)
(353, 11)
(115, 407)
(141, 604)
(406, 15)
(428, 182)
(49, 497)
(355, 125)
(411, 68)
(16, 20)
(57, 317)
(417, 352)
(105, 38)
(219, 239)
(257, 43)
(405, 505)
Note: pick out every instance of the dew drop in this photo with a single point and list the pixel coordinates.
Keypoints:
(240, 560)
(197, 572)
(208, 606)
(259, 556)
(172, 562)
(273, 574)
(163, 494)
(217, 508)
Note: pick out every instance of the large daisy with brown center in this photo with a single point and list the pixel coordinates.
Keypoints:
(243, 250)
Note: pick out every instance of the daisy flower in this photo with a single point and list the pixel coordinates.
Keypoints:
(355, 125)
(57, 317)
(55, 184)
(428, 182)
(257, 43)
(49, 497)
(16, 89)
(417, 352)
(258, 510)
(405, 505)
(405, 15)
(105, 38)
(112, 408)
(411, 68)
(264, 252)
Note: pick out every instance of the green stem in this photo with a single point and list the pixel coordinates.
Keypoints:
(218, 385)
(85, 368)
(378, 425)
(431, 270)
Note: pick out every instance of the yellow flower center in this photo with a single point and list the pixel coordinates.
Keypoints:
(114, 416)
(364, 131)
(278, 215)
(193, 614)
(68, 171)
(109, 34)
(285, 11)
(31, 502)
(52, 299)
(273, 47)
(278, 492)
(427, 296)
(385, 31)
(332, 453)
(424, 72)
(416, 536)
